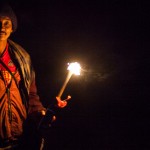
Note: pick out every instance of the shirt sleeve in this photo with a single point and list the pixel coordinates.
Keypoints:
(34, 100)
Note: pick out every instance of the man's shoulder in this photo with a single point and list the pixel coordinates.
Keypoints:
(18, 47)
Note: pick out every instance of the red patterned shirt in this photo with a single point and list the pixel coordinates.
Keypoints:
(12, 110)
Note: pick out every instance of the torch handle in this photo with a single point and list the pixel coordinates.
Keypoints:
(65, 83)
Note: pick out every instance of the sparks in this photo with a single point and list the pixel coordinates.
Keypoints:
(74, 68)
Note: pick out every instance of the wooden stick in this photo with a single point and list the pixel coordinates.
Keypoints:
(65, 84)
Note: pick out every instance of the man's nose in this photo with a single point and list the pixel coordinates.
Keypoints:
(1, 25)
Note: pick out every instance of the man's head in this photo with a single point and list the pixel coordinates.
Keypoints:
(5, 28)
(6, 11)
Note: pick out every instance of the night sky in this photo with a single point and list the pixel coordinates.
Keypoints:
(109, 109)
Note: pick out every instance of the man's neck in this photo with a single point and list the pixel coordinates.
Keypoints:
(2, 46)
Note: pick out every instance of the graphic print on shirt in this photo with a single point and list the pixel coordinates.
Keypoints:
(7, 77)
(5, 58)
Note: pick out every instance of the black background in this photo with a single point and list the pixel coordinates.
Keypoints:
(109, 108)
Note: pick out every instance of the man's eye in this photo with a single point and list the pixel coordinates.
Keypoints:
(7, 24)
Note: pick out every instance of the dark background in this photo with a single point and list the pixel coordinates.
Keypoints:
(109, 109)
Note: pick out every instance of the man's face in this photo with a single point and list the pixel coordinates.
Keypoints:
(5, 28)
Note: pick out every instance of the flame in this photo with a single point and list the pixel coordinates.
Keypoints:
(74, 68)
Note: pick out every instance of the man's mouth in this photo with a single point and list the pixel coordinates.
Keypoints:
(2, 33)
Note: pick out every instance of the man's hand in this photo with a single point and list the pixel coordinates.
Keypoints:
(62, 103)
(43, 112)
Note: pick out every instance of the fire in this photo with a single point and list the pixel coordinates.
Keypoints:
(74, 68)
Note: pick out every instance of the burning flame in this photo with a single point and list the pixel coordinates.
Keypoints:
(74, 68)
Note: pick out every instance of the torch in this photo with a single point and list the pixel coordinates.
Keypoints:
(48, 115)
(73, 68)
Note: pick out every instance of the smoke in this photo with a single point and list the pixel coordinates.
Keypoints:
(89, 75)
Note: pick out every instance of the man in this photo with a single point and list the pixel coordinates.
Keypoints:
(18, 92)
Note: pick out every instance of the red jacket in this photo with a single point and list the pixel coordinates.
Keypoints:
(20, 98)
